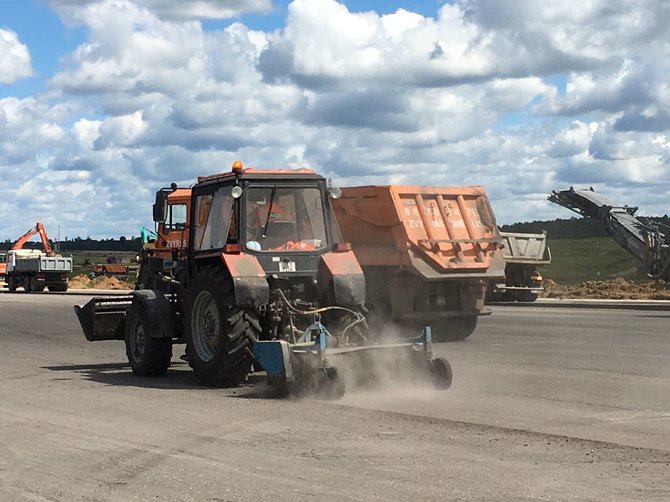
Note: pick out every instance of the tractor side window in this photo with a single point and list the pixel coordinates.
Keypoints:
(213, 215)
(203, 204)
(176, 218)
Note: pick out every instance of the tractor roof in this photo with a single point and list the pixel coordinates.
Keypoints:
(254, 173)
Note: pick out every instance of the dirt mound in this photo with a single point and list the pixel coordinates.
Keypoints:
(80, 282)
(102, 282)
(615, 289)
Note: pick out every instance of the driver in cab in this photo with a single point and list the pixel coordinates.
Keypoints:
(272, 228)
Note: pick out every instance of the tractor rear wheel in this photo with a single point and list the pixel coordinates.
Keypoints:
(147, 355)
(218, 332)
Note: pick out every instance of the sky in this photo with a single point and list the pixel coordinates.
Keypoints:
(103, 102)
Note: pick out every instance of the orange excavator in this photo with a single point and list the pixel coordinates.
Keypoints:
(34, 269)
(38, 229)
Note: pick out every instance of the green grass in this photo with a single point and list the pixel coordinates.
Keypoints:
(597, 258)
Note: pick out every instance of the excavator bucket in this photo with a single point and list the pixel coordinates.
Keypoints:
(103, 318)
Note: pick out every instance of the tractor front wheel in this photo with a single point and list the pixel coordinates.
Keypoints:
(148, 356)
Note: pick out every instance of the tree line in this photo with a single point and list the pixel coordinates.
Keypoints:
(87, 244)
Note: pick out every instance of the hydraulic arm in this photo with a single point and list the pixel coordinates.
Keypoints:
(37, 229)
(644, 241)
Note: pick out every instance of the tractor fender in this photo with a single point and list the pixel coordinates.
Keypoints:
(250, 282)
(341, 276)
(160, 311)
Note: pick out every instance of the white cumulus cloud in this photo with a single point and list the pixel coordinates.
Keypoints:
(14, 58)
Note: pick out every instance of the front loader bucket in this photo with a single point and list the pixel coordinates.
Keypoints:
(103, 318)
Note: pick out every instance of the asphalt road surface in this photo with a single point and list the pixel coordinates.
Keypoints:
(546, 404)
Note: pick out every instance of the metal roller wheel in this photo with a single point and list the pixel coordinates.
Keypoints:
(440, 373)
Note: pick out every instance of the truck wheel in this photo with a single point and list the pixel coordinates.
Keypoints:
(218, 333)
(11, 285)
(36, 286)
(527, 296)
(26, 284)
(454, 330)
(148, 356)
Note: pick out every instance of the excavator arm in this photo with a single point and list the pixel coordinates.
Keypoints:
(645, 242)
(38, 229)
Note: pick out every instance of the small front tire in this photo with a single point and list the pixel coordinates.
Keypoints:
(147, 355)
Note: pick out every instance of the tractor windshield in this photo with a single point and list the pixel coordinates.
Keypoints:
(285, 219)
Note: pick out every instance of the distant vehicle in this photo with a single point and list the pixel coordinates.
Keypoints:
(34, 270)
(111, 270)
(3, 266)
(523, 254)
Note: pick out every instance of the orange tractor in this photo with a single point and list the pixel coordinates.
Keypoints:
(249, 270)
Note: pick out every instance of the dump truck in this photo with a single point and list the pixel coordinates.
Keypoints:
(111, 270)
(427, 253)
(254, 277)
(648, 242)
(523, 254)
(33, 269)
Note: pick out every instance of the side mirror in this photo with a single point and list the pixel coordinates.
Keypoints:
(335, 193)
(160, 207)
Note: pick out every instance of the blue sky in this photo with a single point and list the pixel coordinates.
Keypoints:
(104, 101)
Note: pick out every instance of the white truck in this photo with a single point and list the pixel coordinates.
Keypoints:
(523, 254)
(34, 270)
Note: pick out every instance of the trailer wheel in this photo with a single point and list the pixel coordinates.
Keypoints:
(455, 329)
(148, 356)
(218, 333)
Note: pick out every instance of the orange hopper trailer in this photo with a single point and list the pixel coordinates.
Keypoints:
(427, 253)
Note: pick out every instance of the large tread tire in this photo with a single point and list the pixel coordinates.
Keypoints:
(218, 333)
(454, 330)
(26, 285)
(147, 355)
(11, 285)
